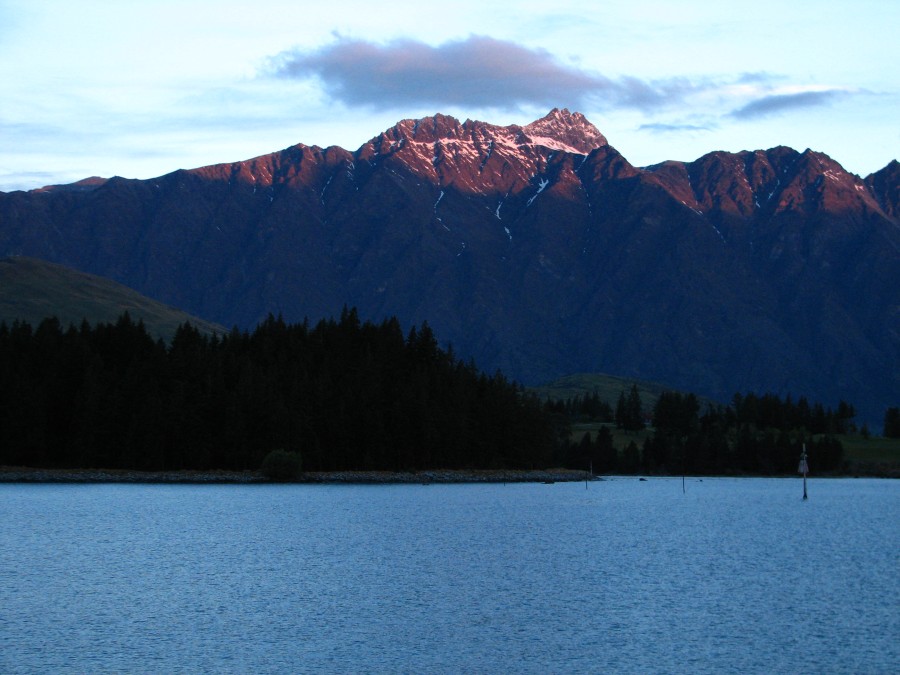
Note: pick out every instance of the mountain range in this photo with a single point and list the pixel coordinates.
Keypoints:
(538, 249)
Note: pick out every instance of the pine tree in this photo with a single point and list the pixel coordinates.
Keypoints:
(634, 413)
(621, 411)
(892, 423)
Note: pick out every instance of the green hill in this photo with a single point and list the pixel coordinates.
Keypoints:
(32, 290)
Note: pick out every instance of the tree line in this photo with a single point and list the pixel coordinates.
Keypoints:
(347, 395)
(343, 394)
(755, 434)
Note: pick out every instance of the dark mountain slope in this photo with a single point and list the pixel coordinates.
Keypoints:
(885, 186)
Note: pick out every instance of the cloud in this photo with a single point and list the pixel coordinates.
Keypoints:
(759, 77)
(660, 127)
(29, 180)
(779, 103)
(477, 71)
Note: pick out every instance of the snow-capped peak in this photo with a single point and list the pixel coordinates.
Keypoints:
(567, 131)
(558, 130)
(466, 154)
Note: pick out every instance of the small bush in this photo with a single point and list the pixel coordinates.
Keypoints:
(281, 465)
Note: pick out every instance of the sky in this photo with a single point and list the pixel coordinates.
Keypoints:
(145, 87)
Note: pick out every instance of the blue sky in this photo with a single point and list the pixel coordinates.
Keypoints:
(145, 87)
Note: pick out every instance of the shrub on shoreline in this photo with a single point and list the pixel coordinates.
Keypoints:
(281, 465)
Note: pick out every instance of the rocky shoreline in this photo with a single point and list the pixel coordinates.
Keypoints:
(10, 474)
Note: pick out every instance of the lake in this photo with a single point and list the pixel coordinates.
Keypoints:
(730, 576)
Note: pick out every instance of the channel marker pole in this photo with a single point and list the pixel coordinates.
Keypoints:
(804, 469)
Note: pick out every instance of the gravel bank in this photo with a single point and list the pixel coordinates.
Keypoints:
(10, 474)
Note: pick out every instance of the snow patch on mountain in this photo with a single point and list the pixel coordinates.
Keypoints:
(543, 184)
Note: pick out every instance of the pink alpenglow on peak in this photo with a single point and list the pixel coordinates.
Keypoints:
(566, 131)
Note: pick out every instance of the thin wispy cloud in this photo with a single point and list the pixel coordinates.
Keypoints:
(664, 128)
(478, 71)
(775, 104)
(761, 77)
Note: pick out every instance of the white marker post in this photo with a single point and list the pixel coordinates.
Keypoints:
(804, 469)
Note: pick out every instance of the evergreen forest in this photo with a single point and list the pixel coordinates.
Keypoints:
(755, 435)
(346, 395)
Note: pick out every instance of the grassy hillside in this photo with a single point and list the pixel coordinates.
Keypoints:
(874, 455)
(32, 290)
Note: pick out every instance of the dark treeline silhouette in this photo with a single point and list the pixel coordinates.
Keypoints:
(345, 395)
(587, 408)
(629, 415)
(754, 435)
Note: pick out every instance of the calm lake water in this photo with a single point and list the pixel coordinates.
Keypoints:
(735, 575)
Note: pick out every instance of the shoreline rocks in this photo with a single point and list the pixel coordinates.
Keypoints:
(9, 474)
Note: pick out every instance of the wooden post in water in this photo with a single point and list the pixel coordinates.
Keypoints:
(804, 469)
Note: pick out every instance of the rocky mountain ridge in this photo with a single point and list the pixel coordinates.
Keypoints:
(538, 249)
